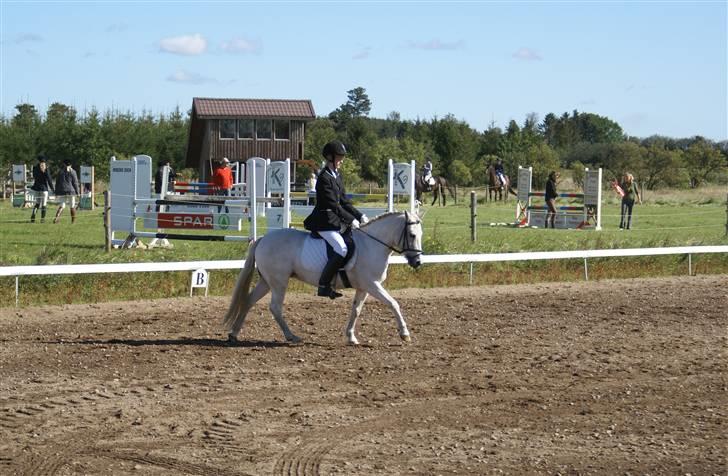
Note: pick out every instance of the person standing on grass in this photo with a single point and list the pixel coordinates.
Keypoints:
(629, 187)
(223, 180)
(67, 189)
(42, 183)
(550, 197)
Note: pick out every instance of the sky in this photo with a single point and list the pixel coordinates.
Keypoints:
(654, 67)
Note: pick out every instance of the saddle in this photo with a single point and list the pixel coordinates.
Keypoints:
(313, 256)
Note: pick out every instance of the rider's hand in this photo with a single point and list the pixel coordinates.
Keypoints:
(355, 224)
(364, 219)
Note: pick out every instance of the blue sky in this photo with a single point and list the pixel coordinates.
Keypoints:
(654, 67)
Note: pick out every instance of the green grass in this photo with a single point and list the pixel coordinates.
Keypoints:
(668, 218)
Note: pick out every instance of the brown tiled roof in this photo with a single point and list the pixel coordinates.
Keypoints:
(208, 108)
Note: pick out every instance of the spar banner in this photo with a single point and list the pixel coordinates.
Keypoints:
(199, 221)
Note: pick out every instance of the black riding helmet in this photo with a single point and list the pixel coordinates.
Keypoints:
(333, 148)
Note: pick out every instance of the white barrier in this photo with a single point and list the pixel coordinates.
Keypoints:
(131, 199)
(587, 215)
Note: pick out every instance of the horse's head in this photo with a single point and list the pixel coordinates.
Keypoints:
(412, 239)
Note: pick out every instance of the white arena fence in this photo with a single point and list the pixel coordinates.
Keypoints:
(46, 270)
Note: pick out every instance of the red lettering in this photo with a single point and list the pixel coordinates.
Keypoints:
(185, 220)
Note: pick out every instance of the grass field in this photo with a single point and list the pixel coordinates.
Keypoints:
(667, 218)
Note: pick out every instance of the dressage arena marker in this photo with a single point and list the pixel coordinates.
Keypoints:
(588, 215)
(131, 190)
(400, 181)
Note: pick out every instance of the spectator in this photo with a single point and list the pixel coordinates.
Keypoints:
(223, 180)
(550, 197)
(67, 189)
(42, 183)
(630, 193)
(159, 177)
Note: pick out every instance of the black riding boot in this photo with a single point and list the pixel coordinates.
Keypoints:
(32, 215)
(328, 275)
(42, 214)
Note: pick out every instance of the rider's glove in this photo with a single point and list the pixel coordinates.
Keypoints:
(364, 219)
(355, 224)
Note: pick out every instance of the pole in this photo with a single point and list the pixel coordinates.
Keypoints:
(17, 290)
(690, 264)
(473, 214)
(586, 271)
(107, 220)
(726, 215)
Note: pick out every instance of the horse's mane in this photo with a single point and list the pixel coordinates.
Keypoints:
(379, 217)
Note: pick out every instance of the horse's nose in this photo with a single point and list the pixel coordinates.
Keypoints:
(415, 262)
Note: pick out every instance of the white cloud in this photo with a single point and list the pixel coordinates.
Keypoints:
(27, 38)
(436, 45)
(241, 46)
(189, 45)
(187, 77)
(363, 54)
(116, 28)
(527, 54)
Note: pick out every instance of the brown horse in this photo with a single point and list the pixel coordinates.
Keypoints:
(438, 190)
(496, 187)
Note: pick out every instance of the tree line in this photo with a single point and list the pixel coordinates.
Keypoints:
(570, 141)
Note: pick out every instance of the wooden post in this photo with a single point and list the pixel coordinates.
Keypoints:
(107, 220)
(473, 214)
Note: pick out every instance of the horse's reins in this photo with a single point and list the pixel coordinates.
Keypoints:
(402, 239)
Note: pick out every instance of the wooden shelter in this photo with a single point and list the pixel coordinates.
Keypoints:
(243, 128)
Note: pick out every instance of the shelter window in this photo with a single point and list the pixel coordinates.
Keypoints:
(246, 129)
(264, 129)
(282, 129)
(227, 128)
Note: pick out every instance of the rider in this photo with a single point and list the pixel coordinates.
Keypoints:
(333, 215)
(499, 172)
(427, 173)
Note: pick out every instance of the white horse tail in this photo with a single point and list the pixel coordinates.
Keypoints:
(241, 293)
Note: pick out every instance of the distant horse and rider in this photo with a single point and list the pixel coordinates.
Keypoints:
(440, 184)
(426, 182)
(499, 184)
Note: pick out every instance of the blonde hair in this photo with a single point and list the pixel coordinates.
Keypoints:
(629, 177)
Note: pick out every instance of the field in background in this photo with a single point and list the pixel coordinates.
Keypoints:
(667, 218)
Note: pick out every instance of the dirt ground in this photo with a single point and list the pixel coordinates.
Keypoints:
(612, 377)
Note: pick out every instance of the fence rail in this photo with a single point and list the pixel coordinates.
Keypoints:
(17, 271)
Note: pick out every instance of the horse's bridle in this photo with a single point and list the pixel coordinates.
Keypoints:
(404, 239)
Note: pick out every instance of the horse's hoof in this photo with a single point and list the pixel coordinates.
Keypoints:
(406, 338)
(294, 340)
(232, 339)
(353, 342)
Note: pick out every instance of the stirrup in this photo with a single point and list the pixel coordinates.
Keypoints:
(329, 292)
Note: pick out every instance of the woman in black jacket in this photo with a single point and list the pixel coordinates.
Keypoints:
(333, 217)
(550, 197)
(42, 184)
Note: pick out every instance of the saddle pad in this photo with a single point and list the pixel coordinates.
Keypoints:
(313, 255)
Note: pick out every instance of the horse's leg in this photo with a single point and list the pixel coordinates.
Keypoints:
(356, 306)
(278, 293)
(434, 196)
(379, 293)
(260, 290)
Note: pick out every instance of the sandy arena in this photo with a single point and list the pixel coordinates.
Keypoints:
(612, 377)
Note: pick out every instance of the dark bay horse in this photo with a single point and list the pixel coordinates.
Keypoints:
(496, 187)
(438, 190)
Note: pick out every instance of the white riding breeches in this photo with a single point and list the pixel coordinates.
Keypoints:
(41, 198)
(336, 241)
(66, 199)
